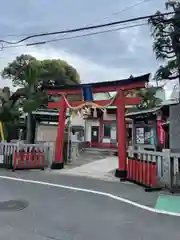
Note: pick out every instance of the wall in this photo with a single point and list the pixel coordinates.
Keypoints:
(78, 121)
(104, 142)
(174, 128)
(46, 133)
(109, 117)
(89, 123)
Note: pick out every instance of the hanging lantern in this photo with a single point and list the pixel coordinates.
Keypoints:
(87, 93)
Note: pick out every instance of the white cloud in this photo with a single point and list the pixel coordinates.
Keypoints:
(88, 70)
(169, 88)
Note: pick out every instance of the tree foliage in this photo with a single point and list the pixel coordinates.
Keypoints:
(53, 71)
(58, 72)
(166, 45)
(30, 74)
(9, 112)
(149, 98)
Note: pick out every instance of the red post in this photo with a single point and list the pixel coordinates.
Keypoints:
(121, 172)
(58, 163)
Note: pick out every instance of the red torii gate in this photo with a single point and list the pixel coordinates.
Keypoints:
(122, 87)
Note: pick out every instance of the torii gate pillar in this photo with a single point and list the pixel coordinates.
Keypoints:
(59, 163)
(121, 172)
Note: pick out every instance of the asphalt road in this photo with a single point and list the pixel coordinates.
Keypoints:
(62, 214)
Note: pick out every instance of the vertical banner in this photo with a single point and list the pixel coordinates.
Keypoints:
(152, 137)
(161, 133)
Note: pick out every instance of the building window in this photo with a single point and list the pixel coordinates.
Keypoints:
(107, 130)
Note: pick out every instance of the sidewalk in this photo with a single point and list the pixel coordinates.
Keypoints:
(101, 169)
(168, 202)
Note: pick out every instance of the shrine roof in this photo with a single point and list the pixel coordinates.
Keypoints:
(151, 111)
(118, 83)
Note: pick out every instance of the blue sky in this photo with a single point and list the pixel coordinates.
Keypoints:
(104, 57)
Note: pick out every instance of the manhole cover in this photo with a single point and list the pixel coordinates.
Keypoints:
(13, 205)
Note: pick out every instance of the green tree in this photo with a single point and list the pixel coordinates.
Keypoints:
(58, 72)
(149, 98)
(30, 74)
(53, 71)
(165, 31)
(9, 111)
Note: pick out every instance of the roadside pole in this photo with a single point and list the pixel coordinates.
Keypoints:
(69, 139)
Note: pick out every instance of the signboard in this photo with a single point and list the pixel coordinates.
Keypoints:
(140, 135)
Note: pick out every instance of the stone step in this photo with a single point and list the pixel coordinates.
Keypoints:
(102, 151)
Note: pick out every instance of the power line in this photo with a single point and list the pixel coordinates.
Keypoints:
(121, 11)
(113, 14)
(89, 27)
(74, 37)
(86, 35)
(127, 8)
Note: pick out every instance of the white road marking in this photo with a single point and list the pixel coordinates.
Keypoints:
(124, 200)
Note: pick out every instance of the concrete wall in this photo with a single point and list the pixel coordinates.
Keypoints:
(174, 128)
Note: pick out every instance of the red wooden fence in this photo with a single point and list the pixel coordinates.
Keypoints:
(29, 159)
(142, 170)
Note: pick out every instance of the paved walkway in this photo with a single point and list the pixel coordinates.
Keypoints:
(86, 157)
(102, 169)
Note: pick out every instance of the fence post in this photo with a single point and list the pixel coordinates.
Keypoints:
(74, 152)
(175, 171)
(167, 178)
(130, 151)
(49, 153)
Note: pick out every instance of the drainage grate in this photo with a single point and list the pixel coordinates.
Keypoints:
(13, 205)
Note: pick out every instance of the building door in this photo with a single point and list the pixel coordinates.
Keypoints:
(95, 134)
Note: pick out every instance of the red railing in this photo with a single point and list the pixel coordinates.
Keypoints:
(142, 170)
(29, 159)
